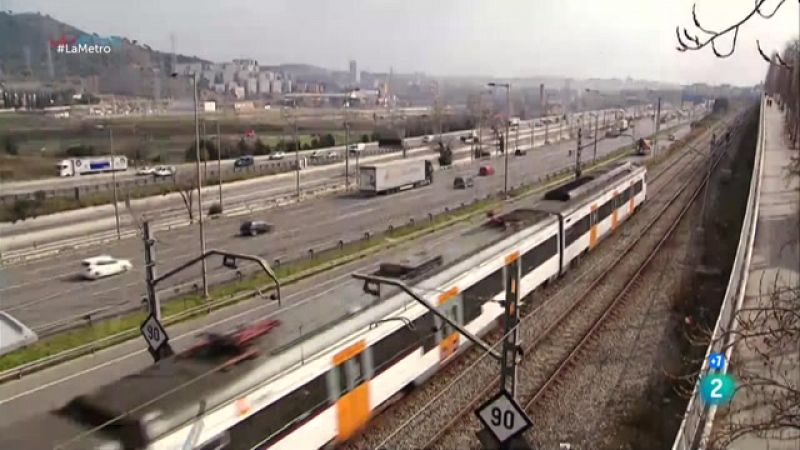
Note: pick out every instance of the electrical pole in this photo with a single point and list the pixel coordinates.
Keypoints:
(153, 303)
(219, 166)
(114, 178)
(199, 190)
(297, 159)
(511, 332)
(508, 124)
(658, 126)
(205, 153)
(346, 154)
(578, 156)
(596, 120)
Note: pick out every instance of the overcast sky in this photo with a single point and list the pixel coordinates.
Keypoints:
(574, 38)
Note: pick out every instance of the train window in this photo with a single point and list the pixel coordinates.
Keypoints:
(623, 197)
(450, 311)
(536, 256)
(637, 187)
(282, 416)
(341, 379)
(577, 230)
(425, 329)
(482, 292)
(358, 371)
(605, 210)
(393, 347)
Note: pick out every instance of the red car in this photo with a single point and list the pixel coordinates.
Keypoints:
(485, 171)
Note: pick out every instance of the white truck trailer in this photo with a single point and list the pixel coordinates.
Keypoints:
(394, 176)
(84, 166)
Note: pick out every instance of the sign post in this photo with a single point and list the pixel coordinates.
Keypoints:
(504, 422)
(156, 337)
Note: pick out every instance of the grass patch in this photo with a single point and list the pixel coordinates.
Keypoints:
(188, 306)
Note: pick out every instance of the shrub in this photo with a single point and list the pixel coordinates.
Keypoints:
(80, 150)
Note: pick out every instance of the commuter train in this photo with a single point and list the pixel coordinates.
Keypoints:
(320, 390)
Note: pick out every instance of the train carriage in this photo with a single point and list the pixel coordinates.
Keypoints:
(253, 389)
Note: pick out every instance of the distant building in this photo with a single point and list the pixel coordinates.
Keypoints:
(286, 86)
(354, 75)
(275, 87)
(219, 88)
(209, 106)
(263, 85)
(251, 86)
(209, 75)
(188, 68)
(239, 92)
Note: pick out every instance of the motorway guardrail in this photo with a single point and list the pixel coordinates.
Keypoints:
(698, 420)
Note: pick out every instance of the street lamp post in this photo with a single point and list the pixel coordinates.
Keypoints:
(219, 166)
(507, 87)
(346, 153)
(193, 77)
(114, 178)
(596, 120)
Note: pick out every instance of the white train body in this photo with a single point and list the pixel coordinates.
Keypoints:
(350, 370)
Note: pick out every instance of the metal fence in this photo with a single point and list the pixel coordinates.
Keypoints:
(699, 418)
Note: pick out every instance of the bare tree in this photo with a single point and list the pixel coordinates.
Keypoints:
(706, 36)
(783, 82)
(768, 390)
(186, 187)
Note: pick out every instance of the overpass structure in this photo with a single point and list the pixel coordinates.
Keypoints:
(766, 267)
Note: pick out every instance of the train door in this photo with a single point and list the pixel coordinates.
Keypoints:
(593, 225)
(630, 199)
(350, 381)
(448, 337)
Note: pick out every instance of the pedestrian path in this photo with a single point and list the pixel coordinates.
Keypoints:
(774, 276)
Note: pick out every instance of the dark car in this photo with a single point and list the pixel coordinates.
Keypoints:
(244, 161)
(520, 152)
(463, 182)
(254, 227)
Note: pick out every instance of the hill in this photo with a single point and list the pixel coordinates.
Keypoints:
(25, 55)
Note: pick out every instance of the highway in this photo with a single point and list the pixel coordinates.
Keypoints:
(47, 290)
(304, 302)
(227, 165)
(170, 207)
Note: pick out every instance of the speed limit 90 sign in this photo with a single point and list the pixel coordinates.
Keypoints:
(503, 417)
(154, 333)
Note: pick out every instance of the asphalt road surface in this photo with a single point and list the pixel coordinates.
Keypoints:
(44, 291)
(252, 192)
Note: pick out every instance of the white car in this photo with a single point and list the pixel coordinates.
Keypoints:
(163, 171)
(332, 154)
(146, 170)
(104, 266)
(277, 155)
(427, 139)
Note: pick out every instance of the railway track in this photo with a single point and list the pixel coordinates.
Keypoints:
(446, 421)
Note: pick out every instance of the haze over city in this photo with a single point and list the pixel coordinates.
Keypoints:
(508, 38)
